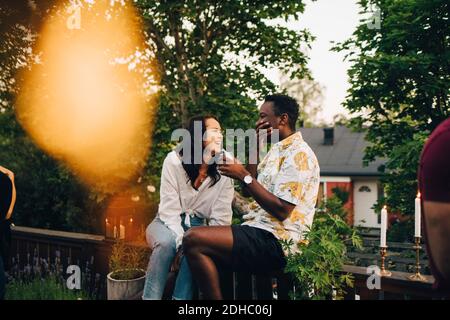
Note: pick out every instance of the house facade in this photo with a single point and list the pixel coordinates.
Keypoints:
(340, 153)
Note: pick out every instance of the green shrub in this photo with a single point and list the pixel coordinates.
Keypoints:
(401, 231)
(342, 194)
(317, 268)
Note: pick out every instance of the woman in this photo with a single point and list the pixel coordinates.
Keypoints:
(192, 194)
(7, 201)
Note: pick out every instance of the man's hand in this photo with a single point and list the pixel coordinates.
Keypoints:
(263, 131)
(232, 168)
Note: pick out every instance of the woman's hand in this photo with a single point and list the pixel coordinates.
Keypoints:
(177, 261)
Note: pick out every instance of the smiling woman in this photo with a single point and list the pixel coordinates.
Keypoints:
(194, 153)
(193, 194)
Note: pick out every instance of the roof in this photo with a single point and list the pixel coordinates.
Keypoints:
(345, 156)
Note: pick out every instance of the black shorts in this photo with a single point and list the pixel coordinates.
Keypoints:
(256, 250)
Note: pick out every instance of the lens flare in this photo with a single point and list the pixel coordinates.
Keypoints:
(90, 102)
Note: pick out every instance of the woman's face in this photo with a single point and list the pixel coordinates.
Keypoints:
(213, 138)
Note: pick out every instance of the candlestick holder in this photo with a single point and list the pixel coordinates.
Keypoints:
(417, 276)
(384, 272)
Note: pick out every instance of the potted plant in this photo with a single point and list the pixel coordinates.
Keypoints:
(127, 275)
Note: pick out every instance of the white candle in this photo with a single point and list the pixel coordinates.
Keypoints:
(383, 227)
(417, 217)
(121, 232)
(107, 228)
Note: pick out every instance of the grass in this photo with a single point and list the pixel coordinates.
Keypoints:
(49, 288)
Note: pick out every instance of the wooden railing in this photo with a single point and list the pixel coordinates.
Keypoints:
(91, 253)
(400, 256)
(35, 249)
(398, 286)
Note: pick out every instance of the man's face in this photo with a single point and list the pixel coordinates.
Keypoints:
(266, 114)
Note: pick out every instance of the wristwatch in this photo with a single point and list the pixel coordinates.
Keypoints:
(248, 179)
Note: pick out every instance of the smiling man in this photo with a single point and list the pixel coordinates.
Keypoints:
(284, 187)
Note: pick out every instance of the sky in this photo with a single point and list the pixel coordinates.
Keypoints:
(327, 20)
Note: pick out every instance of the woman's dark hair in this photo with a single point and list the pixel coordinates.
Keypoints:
(192, 169)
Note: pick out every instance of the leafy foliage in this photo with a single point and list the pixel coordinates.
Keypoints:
(48, 195)
(342, 194)
(309, 95)
(401, 231)
(400, 79)
(317, 268)
(212, 55)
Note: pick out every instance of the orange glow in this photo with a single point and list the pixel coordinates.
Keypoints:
(131, 220)
(90, 103)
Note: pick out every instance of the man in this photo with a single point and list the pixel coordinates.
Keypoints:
(434, 184)
(284, 189)
(7, 201)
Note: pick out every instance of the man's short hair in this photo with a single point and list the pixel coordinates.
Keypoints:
(285, 104)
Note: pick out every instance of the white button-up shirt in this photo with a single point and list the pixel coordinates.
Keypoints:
(177, 196)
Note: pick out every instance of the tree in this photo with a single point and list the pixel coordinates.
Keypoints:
(211, 53)
(48, 194)
(309, 94)
(399, 87)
